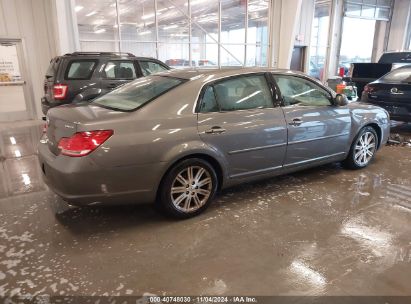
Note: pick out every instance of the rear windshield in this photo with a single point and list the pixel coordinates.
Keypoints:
(399, 75)
(400, 57)
(137, 93)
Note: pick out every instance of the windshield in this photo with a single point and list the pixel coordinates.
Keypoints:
(397, 57)
(399, 75)
(137, 93)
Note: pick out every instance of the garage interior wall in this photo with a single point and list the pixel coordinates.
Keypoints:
(32, 22)
(49, 27)
(279, 30)
(399, 26)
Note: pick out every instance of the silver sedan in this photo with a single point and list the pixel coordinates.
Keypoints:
(177, 137)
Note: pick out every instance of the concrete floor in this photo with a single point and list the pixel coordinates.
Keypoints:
(324, 231)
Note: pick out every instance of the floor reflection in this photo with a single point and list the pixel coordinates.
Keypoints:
(322, 231)
(19, 170)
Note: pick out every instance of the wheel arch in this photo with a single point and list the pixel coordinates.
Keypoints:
(377, 129)
(217, 166)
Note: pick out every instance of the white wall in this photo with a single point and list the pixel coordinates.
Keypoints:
(285, 17)
(398, 29)
(32, 22)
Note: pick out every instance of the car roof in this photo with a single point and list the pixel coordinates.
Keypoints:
(112, 55)
(194, 74)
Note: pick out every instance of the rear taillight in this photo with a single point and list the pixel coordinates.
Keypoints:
(83, 143)
(60, 91)
(368, 89)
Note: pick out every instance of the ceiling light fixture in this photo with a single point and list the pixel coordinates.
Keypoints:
(148, 16)
(91, 13)
(169, 27)
(78, 8)
(99, 31)
(144, 33)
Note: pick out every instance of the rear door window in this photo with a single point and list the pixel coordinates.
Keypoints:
(151, 67)
(80, 69)
(243, 93)
(119, 69)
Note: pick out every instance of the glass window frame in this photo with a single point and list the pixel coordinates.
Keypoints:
(363, 5)
(264, 45)
(90, 75)
(133, 62)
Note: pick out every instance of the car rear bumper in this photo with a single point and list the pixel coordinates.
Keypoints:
(397, 111)
(80, 181)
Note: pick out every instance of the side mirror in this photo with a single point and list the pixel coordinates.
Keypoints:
(341, 100)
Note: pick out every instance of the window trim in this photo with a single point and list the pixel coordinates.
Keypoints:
(80, 60)
(273, 91)
(319, 84)
(104, 75)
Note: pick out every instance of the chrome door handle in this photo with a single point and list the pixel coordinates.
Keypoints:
(296, 122)
(215, 130)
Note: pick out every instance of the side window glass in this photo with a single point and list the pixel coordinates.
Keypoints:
(303, 92)
(150, 67)
(80, 69)
(119, 70)
(208, 102)
(243, 93)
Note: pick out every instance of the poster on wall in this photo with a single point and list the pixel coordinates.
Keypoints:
(9, 64)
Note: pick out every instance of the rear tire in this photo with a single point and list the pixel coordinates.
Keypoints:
(362, 150)
(188, 188)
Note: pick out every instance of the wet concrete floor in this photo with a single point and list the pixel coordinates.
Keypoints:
(324, 231)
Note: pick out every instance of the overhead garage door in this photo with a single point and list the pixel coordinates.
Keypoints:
(369, 9)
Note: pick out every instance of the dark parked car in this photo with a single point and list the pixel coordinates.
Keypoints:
(82, 76)
(363, 73)
(177, 137)
(392, 92)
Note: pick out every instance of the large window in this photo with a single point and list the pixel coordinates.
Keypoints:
(221, 32)
(357, 41)
(97, 25)
(319, 39)
(369, 9)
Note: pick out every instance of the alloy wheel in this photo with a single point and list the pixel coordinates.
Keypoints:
(191, 189)
(365, 148)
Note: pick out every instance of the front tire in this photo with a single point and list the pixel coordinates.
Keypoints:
(188, 188)
(363, 149)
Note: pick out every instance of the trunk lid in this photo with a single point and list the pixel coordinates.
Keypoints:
(64, 121)
(391, 92)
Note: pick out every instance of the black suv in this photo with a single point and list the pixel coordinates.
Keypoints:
(82, 76)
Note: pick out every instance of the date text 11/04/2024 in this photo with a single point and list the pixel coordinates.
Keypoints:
(201, 299)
